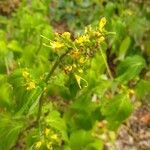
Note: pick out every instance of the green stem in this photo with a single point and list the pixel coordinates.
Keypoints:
(107, 67)
(56, 64)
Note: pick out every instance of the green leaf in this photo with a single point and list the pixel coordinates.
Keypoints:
(15, 47)
(116, 110)
(142, 88)
(25, 99)
(96, 145)
(124, 47)
(130, 68)
(9, 131)
(80, 139)
(29, 101)
(55, 121)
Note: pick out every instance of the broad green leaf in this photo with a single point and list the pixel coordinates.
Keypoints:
(15, 47)
(116, 109)
(3, 48)
(130, 68)
(142, 88)
(5, 98)
(29, 101)
(80, 139)
(96, 145)
(9, 131)
(124, 47)
(55, 121)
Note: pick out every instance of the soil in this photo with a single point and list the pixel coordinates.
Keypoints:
(135, 134)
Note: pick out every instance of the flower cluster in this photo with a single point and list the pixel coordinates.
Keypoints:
(49, 140)
(80, 49)
(29, 83)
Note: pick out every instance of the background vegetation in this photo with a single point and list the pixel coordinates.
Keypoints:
(71, 71)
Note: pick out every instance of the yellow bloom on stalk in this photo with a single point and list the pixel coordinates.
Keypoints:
(54, 137)
(97, 34)
(49, 146)
(25, 74)
(56, 45)
(66, 35)
(78, 78)
(74, 66)
(131, 91)
(101, 39)
(47, 131)
(30, 85)
(102, 23)
(82, 60)
(82, 39)
(38, 144)
(75, 54)
(68, 68)
(80, 70)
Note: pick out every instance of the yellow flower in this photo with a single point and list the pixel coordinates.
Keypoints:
(74, 66)
(102, 23)
(30, 85)
(68, 68)
(131, 91)
(80, 70)
(25, 74)
(82, 39)
(66, 35)
(49, 146)
(101, 39)
(54, 137)
(47, 131)
(82, 60)
(97, 34)
(56, 45)
(75, 54)
(78, 78)
(38, 144)
(88, 29)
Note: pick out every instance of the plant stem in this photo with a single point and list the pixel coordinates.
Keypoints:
(56, 64)
(107, 67)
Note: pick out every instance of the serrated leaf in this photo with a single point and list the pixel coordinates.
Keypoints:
(56, 122)
(130, 68)
(116, 110)
(80, 139)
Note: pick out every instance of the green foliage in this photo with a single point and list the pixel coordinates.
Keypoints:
(85, 141)
(130, 68)
(142, 88)
(10, 128)
(116, 109)
(58, 88)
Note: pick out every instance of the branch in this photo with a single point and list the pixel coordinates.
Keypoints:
(56, 64)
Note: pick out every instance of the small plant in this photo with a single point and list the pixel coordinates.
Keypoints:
(59, 90)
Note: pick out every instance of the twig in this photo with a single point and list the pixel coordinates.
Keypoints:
(56, 64)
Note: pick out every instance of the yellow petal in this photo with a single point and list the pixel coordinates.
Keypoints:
(25, 74)
(38, 144)
(31, 85)
(47, 131)
(102, 23)
(78, 78)
(66, 35)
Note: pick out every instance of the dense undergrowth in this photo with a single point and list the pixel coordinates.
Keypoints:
(71, 72)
